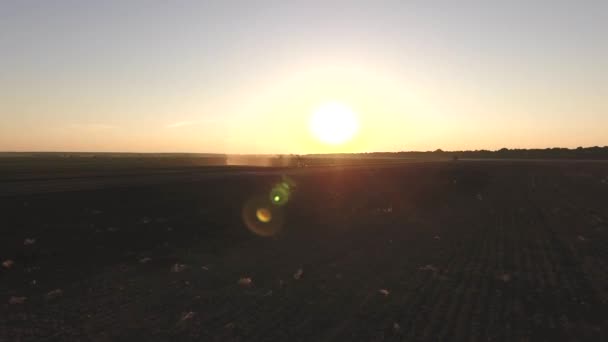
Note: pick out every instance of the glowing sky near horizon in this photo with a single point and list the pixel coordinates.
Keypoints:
(246, 76)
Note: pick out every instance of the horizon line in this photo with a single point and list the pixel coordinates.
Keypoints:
(439, 150)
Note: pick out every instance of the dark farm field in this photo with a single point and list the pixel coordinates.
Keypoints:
(449, 251)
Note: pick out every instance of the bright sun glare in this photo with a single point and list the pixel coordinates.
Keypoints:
(334, 123)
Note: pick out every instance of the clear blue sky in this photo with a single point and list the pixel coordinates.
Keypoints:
(244, 76)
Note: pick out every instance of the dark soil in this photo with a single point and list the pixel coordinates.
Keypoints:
(448, 251)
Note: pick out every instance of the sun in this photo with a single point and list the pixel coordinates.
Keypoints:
(334, 123)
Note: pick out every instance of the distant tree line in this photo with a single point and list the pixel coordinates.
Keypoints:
(592, 153)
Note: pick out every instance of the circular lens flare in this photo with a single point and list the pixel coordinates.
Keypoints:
(264, 215)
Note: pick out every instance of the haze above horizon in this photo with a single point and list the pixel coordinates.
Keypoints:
(265, 77)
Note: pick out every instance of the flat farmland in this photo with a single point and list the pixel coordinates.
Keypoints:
(449, 251)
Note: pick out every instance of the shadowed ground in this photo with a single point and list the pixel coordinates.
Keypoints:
(421, 251)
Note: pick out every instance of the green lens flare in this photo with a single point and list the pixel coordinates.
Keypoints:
(279, 195)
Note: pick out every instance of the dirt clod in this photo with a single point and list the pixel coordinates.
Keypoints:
(188, 316)
(298, 274)
(177, 268)
(8, 264)
(145, 260)
(17, 300)
(245, 282)
(429, 268)
(54, 294)
(506, 277)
